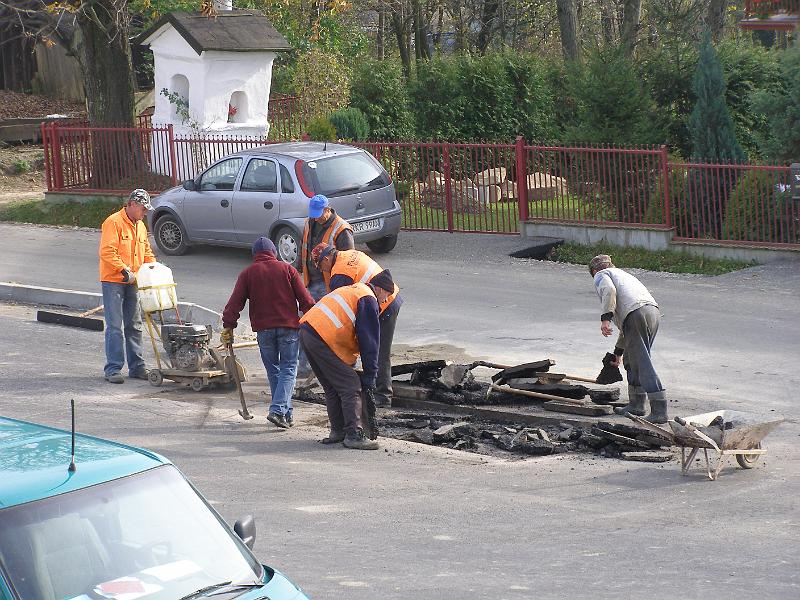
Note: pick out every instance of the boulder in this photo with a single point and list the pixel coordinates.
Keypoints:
(543, 186)
(494, 176)
(508, 190)
(490, 193)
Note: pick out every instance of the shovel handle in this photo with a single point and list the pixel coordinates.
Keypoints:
(244, 412)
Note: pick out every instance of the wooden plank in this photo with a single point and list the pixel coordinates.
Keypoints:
(590, 409)
(539, 395)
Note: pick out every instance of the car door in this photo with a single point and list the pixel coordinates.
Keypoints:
(256, 202)
(208, 210)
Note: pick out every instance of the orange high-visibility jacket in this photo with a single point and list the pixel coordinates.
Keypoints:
(334, 320)
(337, 226)
(361, 269)
(123, 245)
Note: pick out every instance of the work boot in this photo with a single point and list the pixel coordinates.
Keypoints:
(336, 436)
(289, 420)
(115, 378)
(658, 408)
(141, 374)
(635, 405)
(278, 420)
(358, 441)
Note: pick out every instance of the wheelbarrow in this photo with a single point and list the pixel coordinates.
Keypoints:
(740, 435)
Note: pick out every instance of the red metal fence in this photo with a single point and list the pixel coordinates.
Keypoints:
(478, 187)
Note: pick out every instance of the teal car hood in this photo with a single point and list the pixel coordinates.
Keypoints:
(34, 461)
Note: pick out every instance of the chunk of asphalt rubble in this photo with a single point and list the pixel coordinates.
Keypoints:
(565, 434)
(422, 436)
(453, 431)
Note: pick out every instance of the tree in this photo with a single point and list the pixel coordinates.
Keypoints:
(710, 124)
(568, 23)
(782, 109)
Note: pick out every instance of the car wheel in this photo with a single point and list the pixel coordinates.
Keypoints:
(170, 235)
(288, 243)
(383, 245)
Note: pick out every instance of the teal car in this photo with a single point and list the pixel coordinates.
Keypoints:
(124, 524)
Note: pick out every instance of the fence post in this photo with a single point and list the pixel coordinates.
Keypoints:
(172, 160)
(448, 190)
(48, 171)
(58, 171)
(522, 180)
(665, 186)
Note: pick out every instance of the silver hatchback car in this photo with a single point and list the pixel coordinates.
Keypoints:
(265, 191)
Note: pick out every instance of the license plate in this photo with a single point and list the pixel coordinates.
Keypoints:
(370, 225)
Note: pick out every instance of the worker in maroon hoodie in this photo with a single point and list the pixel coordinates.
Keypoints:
(274, 290)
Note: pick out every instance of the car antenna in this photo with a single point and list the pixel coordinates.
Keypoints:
(72, 468)
(325, 147)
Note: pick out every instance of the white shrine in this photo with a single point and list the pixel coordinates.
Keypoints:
(217, 71)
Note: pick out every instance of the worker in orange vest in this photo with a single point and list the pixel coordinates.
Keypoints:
(322, 226)
(124, 247)
(342, 326)
(346, 267)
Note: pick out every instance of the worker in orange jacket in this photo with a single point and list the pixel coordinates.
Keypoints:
(124, 247)
(322, 226)
(346, 267)
(342, 326)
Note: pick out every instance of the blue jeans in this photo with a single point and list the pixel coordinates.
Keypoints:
(279, 348)
(123, 328)
(317, 290)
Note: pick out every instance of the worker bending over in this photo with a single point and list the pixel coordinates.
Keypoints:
(323, 226)
(339, 328)
(346, 267)
(626, 301)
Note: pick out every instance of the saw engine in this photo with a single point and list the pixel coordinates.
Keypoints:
(187, 346)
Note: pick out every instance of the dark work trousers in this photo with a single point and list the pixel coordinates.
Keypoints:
(639, 330)
(383, 385)
(340, 382)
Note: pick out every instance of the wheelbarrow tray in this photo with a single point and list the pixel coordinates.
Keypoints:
(742, 440)
(747, 432)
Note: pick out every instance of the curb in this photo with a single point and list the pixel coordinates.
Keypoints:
(82, 301)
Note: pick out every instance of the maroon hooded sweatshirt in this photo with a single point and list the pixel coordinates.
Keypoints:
(274, 290)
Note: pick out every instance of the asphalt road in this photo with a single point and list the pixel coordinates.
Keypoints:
(417, 522)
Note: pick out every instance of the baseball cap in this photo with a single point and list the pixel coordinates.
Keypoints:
(317, 205)
(141, 197)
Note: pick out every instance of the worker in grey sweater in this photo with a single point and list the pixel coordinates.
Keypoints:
(626, 302)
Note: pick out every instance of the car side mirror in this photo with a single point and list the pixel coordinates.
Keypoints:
(245, 528)
(189, 185)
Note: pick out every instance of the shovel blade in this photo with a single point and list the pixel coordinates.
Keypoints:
(245, 415)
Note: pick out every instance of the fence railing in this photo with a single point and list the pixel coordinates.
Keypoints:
(477, 187)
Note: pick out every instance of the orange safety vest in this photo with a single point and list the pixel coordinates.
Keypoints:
(334, 320)
(361, 269)
(337, 226)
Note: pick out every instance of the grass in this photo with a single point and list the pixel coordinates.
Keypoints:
(88, 214)
(670, 261)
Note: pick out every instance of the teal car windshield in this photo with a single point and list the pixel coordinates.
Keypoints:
(148, 536)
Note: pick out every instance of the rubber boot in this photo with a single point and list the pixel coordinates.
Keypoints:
(658, 408)
(635, 405)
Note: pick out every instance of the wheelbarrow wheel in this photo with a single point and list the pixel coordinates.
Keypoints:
(197, 384)
(748, 461)
(155, 377)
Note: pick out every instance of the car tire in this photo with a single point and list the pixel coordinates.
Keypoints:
(170, 235)
(383, 245)
(289, 246)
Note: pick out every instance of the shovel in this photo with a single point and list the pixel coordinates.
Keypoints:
(245, 414)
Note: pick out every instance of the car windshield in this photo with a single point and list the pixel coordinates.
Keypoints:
(149, 535)
(346, 174)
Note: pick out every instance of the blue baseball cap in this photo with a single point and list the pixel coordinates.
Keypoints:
(317, 205)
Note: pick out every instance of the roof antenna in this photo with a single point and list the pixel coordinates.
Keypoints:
(72, 468)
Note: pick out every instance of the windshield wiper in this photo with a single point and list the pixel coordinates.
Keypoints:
(220, 588)
(346, 190)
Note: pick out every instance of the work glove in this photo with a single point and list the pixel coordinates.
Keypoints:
(226, 336)
(128, 276)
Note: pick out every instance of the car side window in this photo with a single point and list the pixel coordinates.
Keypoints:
(287, 185)
(260, 176)
(221, 176)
